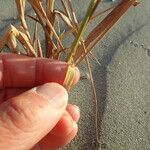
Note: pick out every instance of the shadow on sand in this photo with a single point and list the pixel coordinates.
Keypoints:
(100, 76)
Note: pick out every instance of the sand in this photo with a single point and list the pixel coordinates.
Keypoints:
(122, 82)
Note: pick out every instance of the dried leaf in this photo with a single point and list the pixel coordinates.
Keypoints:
(39, 49)
(103, 27)
(95, 100)
(21, 11)
(6, 37)
(64, 18)
(37, 6)
(49, 7)
(35, 36)
(101, 13)
(23, 39)
(9, 39)
(109, 21)
(12, 43)
(66, 9)
(33, 18)
(73, 13)
(95, 58)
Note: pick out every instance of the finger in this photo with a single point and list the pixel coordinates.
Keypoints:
(29, 117)
(76, 76)
(53, 142)
(67, 122)
(20, 71)
(64, 126)
(8, 93)
(74, 112)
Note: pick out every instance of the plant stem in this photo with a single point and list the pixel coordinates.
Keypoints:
(81, 30)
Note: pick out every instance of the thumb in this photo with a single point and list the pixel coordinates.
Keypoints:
(27, 118)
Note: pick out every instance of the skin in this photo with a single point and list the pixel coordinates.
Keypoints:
(34, 109)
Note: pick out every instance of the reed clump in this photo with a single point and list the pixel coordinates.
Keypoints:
(48, 18)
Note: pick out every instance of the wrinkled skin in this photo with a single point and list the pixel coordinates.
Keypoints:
(35, 115)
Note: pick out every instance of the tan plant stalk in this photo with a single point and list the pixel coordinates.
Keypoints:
(21, 12)
(51, 17)
(37, 6)
(66, 9)
(9, 38)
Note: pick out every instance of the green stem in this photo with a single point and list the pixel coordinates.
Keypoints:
(86, 19)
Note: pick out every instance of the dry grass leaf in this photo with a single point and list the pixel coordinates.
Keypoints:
(36, 41)
(39, 49)
(74, 19)
(64, 18)
(21, 12)
(97, 2)
(49, 7)
(23, 39)
(35, 35)
(34, 19)
(11, 36)
(37, 6)
(51, 16)
(11, 32)
(95, 100)
(101, 13)
(66, 9)
(12, 43)
(103, 27)
(95, 58)
(109, 21)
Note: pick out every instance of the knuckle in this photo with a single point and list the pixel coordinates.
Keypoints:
(18, 115)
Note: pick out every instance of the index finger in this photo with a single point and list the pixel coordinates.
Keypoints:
(18, 71)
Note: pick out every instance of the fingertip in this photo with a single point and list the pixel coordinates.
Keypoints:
(64, 126)
(50, 71)
(55, 93)
(56, 142)
(76, 76)
(74, 112)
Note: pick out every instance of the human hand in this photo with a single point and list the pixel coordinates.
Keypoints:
(35, 115)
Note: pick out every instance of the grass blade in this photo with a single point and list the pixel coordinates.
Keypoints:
(21, 11)
(66, 9)
(37, 6)
(81, 30)
(64, 18)
(103, 27)
(95, 100)
(109, 21)
(49, 7)
(39, 49)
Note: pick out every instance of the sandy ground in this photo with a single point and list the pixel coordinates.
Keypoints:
(122, 82)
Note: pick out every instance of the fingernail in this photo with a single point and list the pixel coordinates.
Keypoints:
(54, 93)
(77, 112)
(77, 76)
(76, 108)
(75, 125)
